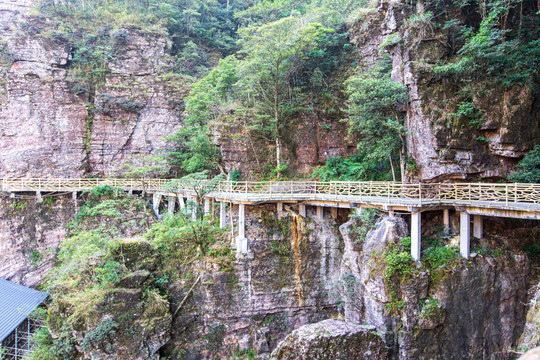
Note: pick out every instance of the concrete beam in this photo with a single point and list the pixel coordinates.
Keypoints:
(416, 235)
(465, 234)
(241, 241)
(446, 219)
(171, 204)
(519, 214)
(302, 210)
(320, 212)
(222, 215)
(280, 210)
(478, 226)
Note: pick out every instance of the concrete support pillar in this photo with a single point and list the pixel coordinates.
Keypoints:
(222, 215)
(464, 234)
(171, 204)
(193, 205)
(333, 212)
(446, 219)
(280, 210)
(478, 226)
(302, 210)
(416, 235)
(241, 241)
(181, 202)
(74, 196)
(156, 200)
(39, 198)
(130, 192)
(206, 207)
(320, 212)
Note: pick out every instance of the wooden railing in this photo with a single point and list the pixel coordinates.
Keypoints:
(441, 192)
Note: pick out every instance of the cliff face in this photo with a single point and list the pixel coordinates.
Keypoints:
(30, 233)
(51, 126)
(443, 145)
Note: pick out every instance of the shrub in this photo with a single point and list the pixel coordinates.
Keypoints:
(528, 169)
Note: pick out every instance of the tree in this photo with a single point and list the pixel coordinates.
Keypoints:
(373, 109)
(528, 169)
(199, 230)
(271, 55)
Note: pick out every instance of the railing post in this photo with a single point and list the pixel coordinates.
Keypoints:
(515, 193)
(246, 187)
(470, 193)
(507, 190)
(420, 193)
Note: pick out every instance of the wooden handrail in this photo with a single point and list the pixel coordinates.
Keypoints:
(468, 192)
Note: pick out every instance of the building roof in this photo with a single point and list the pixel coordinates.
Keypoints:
(16, 303)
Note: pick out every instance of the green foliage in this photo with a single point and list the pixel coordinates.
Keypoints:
(47, 348)
(528, 169)
(503, 47)
(468, 112)
(100, 335)
(439, 256)
(355, 168)
(373, 109)
(532, 249)
(368, 218)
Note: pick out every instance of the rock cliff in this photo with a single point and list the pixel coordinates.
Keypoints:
(51, 125)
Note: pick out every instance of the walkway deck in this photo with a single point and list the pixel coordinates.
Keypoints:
(508, 197)
(477, 199)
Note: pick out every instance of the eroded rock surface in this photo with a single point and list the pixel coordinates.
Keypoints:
(332, 339)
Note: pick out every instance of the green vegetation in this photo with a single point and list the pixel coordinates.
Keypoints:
(286, 49)
(356, 167)
(437, 258)
(374, 113)
(528, 169)
(368, 219)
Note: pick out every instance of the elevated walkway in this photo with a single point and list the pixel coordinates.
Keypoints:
(476, 199)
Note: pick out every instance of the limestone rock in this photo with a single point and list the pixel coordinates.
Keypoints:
(332, 339)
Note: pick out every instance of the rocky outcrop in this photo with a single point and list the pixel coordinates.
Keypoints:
(332, 339)
(52, 125)
(287, 279)
(30, 233)
(443, 145)
(451, 311)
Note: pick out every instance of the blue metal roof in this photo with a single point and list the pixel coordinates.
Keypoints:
(16, 303)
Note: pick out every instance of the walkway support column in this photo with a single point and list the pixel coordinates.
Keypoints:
(156, 200)
(446, 219)
(39, 198)
(320, 212)
(171, 204)
(302, 210)
(194, 204)
(206, 207)
(181, 202)
(280, 210)
(464, 234)
(222, 215)
(241, 241)
(416, 235)
(478, 226)
(334, 212)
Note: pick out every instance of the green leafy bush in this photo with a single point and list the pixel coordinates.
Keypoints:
(528, 169)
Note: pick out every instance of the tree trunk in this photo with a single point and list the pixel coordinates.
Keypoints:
(276, 119)
(402, 164)
(392, 166)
